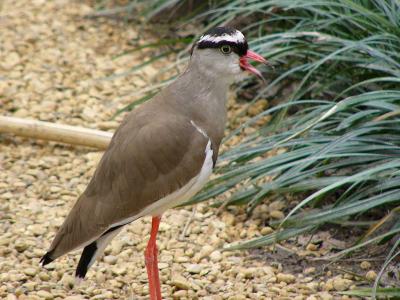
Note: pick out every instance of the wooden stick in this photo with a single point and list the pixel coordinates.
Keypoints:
(55, 132)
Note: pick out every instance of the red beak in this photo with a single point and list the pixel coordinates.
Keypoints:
(245, 65)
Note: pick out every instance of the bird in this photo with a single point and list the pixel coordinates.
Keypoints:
(160, 156)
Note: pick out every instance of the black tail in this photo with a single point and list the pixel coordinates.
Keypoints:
(46, 259)
(90, 251)
(87, 254)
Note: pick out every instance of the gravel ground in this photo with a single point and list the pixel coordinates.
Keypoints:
(52, 67)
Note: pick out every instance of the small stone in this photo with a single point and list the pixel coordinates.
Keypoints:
(288, 278)
(5, 250)
(167, 258)
(206, 250)
(180, 294)
(228, 219)
(45, 295)
(55, 189)
(12, 59)
(312, 247)
(371, 275)
(37, 230)
(182, 259)
(68, 281)
(189, 252)
(7, 196)
(38, 252)
(21, 246)
(21, 113)
(310, 270)
(365, 265)
(30, 285)
(4, 241)
(348, 276)
(98, 297)
(194, 268)
(277, 214)
(30, 271)
(269, 271)
(257, 107)
(180, 282)
(307, 279)
(44, 276)
(89, 114)
(266, 230)
(110, 259)
(100, 277)
(117, 284)
(116, 247)
(237, 297)
(94, 157)
(11, 297)
(249, 273)
(74, 298)
(276, 205)
(312, 286)
(216, 256)
(162, 266)
(328, 286)
(164, 227)
(119, 270)
(325, 296)
(341, 284)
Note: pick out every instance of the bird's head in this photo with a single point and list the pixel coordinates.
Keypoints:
(224, 52)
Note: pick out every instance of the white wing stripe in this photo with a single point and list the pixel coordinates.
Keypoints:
(199, 129)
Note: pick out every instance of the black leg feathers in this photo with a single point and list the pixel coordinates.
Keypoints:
(88, 252)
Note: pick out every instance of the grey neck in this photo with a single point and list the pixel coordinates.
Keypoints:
(202, 97)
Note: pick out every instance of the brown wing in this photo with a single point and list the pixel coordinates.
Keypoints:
(150, 156)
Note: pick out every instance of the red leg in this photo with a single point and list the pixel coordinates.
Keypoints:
(151, 261)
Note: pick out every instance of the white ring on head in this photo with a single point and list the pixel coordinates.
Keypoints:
(236, 37)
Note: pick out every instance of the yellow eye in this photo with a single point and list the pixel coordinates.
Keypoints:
(226, 49)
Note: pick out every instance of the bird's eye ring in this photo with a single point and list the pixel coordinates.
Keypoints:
(226, 49)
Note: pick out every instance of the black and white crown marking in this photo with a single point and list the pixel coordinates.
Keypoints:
(218, 36)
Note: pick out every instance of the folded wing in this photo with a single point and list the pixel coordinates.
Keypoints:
(145, 162)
